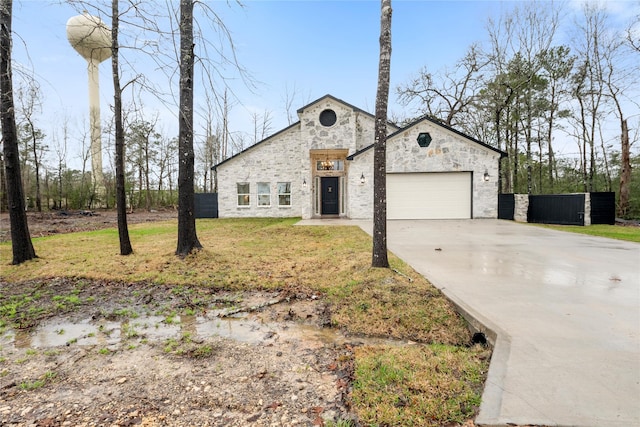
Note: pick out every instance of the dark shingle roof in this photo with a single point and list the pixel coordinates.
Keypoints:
(436, 122)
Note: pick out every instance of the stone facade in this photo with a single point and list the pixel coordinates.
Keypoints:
(448, 152)
(587, 209)
(292, 156)
(521, 207)
(276, 159)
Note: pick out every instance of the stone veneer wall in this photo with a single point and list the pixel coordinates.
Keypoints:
(360, 201)
(285, 157)
(315, 136)
(587, 209)
(448, 152)
(365, 130)
(274, 160)
(521, 207)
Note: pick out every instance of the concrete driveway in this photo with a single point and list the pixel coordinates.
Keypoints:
(565, 309)
(562, 309)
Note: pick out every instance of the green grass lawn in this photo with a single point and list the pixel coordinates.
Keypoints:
(274, 254)
(631, 234)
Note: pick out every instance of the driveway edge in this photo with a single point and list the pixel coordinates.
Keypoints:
(491, 401)
(491, 404)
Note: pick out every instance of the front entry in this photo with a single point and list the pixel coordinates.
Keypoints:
(330, 205)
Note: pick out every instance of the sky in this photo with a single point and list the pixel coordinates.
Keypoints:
(306, 48)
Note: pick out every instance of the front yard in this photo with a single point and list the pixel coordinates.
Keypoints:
(422, 370)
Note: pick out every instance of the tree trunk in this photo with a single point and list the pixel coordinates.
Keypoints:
(33, 136)
(36, 165)
(529, 159)
(625, 173)
(146, 175)
(3, 185)
(550, 139)
(605, 158)
(20, 238)
(187, 238)
(60, 184)
(515, 168)
(121, 197)
(379, 258)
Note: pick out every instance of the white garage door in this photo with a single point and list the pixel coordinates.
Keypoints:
(429, 195)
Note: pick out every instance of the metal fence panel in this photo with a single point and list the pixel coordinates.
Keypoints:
(506, 206)
(603, 208)
(206, 205)
(566, 209)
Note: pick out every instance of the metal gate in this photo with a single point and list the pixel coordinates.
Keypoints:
(506, 206)
(206, 205)
(603, 208)
(565, 209)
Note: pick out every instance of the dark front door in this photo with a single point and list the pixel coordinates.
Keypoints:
(330, 199)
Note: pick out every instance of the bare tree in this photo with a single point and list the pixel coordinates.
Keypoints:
(498, 94)
(21, 244)
(379, 257)
(121, 196)
(535, 29)
(187, 237)
(144, 140)
(29, 103)
(625, 172)
(449, 94)
(288, 100)
(619, 80)
(261, 125)
(557, 64)
(87, 188)
(225, 137)
(633, 33)
(291, 95)
(60, 149)
(590, 89)
(209, 151)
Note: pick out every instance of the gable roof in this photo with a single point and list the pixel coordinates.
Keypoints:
(300, 110)
(436, 122)
(353, 107)
(333, 98)
(256, 144)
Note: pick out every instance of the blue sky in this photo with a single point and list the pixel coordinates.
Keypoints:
(316, 47)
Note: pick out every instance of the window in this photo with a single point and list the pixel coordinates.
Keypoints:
(264, 194)
(328, 118)
(244, 198)
(330, 165)
(284, 194)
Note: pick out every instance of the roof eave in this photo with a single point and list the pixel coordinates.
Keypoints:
(214, 167)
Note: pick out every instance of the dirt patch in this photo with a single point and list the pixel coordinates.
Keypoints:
(144, 354)
(143, 364)
(48, 223)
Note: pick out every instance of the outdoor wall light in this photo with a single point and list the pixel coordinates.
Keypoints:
(304, 183)
(362, 178)
(424, 139)
(486, 176)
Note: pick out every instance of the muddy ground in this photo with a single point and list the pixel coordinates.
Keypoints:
(118, 361)
(268, 364)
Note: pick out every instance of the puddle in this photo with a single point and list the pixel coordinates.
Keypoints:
(241, 328)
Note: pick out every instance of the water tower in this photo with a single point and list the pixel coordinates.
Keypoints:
(91, 38)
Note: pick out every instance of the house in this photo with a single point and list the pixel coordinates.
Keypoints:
(322, 167)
